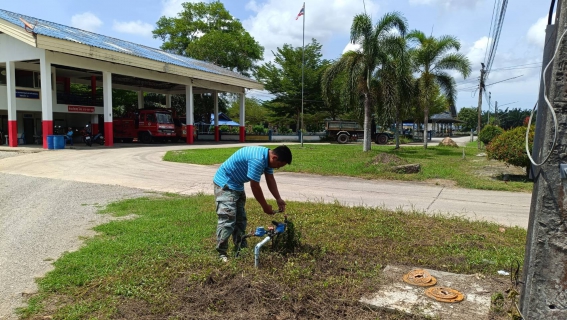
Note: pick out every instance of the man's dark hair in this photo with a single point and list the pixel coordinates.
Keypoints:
(283, 153)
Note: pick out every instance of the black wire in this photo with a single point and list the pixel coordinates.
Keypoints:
(550, 12)
(490, 29)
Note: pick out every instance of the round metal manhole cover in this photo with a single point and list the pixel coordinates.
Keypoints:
(443, 294)
(419, 277)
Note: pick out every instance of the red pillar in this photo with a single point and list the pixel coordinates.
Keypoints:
(190, 132)
(108, 134)
(12, 133)
(217, 133)
(242, 134)
(47, 130)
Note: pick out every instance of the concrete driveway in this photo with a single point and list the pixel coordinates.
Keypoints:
(142, 167)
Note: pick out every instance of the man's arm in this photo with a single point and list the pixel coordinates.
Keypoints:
(259, 195)
(273, 187)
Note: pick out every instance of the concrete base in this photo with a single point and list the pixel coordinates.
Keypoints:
(395, 294)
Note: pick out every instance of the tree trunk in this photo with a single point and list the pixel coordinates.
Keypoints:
(398, 128)
(425, 122)
(367, 125)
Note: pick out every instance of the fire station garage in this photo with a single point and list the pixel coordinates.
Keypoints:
(40, 60)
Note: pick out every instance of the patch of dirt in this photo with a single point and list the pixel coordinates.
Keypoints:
(248, 295)
(386, 158)
(498, 170)
(442, 182)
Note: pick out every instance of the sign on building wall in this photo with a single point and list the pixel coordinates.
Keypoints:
(27, 94)
(81, 109)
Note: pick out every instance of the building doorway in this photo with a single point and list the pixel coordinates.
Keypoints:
(29, 130)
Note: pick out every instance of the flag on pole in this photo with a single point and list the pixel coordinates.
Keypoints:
(301, 12)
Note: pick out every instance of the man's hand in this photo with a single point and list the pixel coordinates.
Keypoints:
(281, 204)
(268, 210)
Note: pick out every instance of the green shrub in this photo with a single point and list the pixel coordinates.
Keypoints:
(259, 129)
(488, 133)
(510, 147)
(224, 128)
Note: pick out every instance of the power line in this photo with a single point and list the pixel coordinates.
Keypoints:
(499, 19)
(504, 80)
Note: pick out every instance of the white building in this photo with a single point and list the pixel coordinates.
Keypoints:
(40, 59)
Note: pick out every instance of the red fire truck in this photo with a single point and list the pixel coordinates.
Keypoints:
(145, 125)
(181, 129)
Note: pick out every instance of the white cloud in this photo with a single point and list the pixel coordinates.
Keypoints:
(170, 8)
(477, 51)
(274, 24)
(536, 33)
(351, 47)
(134, 27)
(448, 4)
(86, 21)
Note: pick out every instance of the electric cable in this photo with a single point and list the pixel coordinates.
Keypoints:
(550, 108)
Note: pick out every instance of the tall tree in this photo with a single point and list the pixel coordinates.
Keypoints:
(256, 113)
(433, 59)
(283, 79)
(395, 84)
(360, 65)
(469, 116)
(207, 31)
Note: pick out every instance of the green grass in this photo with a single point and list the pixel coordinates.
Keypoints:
(436, 162)
(159, 262)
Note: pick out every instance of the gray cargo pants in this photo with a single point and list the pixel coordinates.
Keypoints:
(231, 217)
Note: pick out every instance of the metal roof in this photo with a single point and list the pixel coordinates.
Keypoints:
(59, 31)
(443, 117)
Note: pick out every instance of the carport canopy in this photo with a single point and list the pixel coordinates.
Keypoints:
(86, 57)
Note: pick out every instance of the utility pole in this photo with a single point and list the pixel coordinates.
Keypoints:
(489, 96)
(544, 283)
(496, 113)
(480, 88)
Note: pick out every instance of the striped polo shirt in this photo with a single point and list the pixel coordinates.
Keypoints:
(248, 163)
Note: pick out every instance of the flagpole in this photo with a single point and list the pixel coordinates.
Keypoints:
(302, 66)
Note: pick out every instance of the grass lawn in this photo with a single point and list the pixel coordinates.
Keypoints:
(438, 164)
(161, 263)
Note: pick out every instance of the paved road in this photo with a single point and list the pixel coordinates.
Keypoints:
(142, 167)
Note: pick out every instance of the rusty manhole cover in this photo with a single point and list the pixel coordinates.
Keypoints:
(444, 294)
(419, 277)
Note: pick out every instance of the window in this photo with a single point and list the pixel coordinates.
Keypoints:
(150, 117)
(164, 118)
(27, 79)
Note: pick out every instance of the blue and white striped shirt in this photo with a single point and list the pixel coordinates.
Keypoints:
(248, 163)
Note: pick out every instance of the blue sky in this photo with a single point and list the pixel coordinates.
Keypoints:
(272, 23)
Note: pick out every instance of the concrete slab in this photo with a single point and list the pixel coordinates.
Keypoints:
(395, 294)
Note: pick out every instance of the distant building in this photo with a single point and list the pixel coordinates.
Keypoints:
(39, 60)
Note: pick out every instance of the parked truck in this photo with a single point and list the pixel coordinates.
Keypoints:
(145, 125)
(181, 129)
(350, 131)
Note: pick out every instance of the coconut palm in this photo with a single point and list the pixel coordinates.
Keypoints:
(395, 84)
(433, 59)
(360, 65)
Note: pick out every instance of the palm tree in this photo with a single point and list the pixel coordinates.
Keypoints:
(360, 65)
(395, 84)
(433, 60)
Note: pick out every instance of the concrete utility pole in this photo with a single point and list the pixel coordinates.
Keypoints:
(544, 285)
(496, 113)
(480, 88)
(489, 96)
